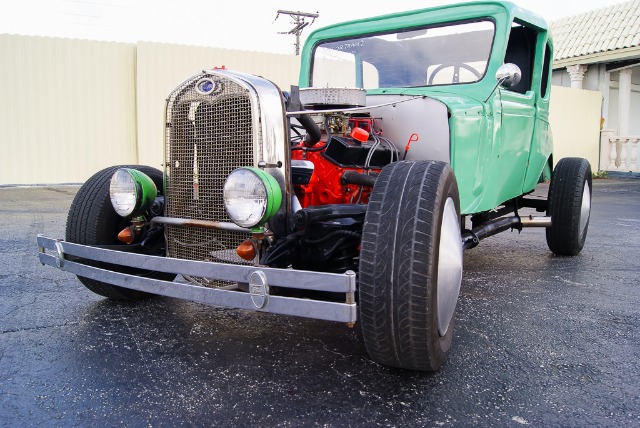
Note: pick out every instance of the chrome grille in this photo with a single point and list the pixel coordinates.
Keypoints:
(207, 137)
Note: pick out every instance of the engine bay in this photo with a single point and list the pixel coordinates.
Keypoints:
(336, 155)
(337, 152)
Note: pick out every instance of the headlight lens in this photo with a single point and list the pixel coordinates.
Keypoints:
(131, 191)
(251, 197)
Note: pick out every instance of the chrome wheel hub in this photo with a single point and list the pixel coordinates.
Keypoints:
(585, 210)
(449, 266)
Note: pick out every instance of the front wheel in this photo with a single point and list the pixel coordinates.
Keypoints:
(569, 206)
(93, 221)
(411, 265)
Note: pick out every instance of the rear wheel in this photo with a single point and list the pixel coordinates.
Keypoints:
(411, 265)
(93, 221)
(569, 206)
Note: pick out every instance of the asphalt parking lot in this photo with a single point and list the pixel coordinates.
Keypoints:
(540, 340)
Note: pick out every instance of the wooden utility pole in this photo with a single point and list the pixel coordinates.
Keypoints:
(299, 22)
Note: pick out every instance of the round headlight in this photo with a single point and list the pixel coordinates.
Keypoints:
(131, 192)
(251, 197)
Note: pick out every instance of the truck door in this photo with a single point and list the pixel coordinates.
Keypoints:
(518, 112)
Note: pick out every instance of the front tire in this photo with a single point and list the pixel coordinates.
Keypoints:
(411, 265)
(569, 206)
(93, 221)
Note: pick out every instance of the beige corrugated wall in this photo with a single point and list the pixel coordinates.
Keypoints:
(574, 115)
(67, 108)
(162, 67)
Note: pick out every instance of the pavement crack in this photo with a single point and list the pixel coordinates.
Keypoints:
(18, 307)
(326, 348)
(39, 327)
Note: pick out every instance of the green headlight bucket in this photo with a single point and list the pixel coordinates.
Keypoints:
(274, 193)
(145, 189)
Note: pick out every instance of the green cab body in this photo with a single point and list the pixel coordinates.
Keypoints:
(500, 143)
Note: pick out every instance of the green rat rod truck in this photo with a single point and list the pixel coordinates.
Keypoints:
(351, 197)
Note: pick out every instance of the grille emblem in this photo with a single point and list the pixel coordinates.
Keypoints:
(207, 86)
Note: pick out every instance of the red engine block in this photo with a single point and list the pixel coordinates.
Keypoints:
(326, 185)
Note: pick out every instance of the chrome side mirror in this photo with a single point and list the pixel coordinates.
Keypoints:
(508, 75)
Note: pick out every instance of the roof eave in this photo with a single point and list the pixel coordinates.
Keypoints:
(599, 57)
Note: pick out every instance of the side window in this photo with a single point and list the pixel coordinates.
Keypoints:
(521, 50)
(546, 70)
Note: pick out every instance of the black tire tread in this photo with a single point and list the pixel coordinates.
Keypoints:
(91, 220)
(399, 244)
(565, 202)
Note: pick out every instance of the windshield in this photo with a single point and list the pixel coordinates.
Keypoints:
(444, 55)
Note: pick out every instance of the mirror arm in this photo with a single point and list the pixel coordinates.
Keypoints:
(498, 83)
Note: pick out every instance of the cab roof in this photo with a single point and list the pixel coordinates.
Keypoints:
(440, 14)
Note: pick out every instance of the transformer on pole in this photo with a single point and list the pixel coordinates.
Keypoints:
(299, 22)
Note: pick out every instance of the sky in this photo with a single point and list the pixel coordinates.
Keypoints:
(240, 24)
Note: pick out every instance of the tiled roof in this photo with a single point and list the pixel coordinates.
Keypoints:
(601, 30)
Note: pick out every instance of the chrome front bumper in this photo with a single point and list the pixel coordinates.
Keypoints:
(53, 252)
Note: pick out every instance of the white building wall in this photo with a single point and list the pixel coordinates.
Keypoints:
(634, 114)
(590, 82)
(594, 80)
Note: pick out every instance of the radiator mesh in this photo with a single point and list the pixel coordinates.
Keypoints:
(207, 137)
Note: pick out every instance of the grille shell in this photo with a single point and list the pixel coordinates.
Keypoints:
(208, 135)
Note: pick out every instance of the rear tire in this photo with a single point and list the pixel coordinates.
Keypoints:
(411, 265)
(569, 206)
(93, 221)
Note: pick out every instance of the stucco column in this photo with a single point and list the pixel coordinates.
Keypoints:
(624, 101)
(576, 74)
(604, 86)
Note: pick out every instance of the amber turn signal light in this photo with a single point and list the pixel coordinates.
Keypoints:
(246, 250)
(127, 235)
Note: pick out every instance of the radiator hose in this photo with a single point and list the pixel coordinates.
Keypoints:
(313, 131)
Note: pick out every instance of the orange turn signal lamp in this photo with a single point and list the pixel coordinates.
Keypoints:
(127, 235)
(246, 250)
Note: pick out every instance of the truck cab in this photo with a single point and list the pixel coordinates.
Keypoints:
(497, 140)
